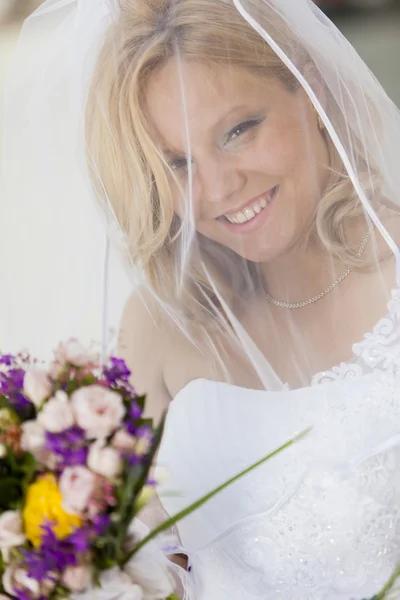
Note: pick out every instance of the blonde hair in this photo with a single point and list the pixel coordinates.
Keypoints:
(129, 172)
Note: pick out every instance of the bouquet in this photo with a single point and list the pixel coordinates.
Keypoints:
(75, 471)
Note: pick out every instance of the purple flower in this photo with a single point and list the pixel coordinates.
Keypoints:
(12, 387)
(134, 413)
(80, 539)
(134, 460)
(7, 359)
(100, 523)
(69, 446)
(55, 555)
(117, 371)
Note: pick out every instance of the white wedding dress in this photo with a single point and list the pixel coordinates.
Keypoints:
(319, 521)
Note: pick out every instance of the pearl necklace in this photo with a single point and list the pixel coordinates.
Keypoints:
(346, 273)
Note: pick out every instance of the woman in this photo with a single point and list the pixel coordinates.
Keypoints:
(248, 159)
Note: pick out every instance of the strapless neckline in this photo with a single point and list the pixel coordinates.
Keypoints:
(321, 521)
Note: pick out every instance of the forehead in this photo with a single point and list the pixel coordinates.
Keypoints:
(192, 96)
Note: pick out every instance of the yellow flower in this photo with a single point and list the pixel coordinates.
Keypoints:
(44, 505)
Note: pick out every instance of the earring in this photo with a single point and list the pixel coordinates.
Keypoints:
(321, 124)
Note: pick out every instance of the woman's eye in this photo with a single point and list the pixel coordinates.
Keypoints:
(238, 131)
(178, 163)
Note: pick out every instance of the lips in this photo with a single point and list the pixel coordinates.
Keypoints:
(252, 209)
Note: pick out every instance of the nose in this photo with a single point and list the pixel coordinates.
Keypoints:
(219, 180)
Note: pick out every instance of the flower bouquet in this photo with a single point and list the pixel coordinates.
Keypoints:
(75, 471)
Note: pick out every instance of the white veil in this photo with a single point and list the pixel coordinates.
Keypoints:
(62, 277)
(54, 283)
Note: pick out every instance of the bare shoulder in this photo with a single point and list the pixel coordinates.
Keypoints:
(142, 340)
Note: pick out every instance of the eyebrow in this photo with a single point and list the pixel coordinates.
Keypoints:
(174, 153)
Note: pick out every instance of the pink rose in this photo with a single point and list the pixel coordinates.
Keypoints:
(56, 415)
(77, 579)
(76, 486)
(104, 460)
(16, 578)
(37, 385)
(123, 441)
(11, 533)
(98, 410)
(74, 353)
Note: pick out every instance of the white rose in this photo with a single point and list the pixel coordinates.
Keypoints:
(15, 578)
(11, 533)
(104, 460)
(114, 583)
(74, 353)
(120, 585)
(97, 410)
(76, 486)
(37, 385)
(149, 567)
(123, 440)
(33, 438)
(57, 414)
(77, 579)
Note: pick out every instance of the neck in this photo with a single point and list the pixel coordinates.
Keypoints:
(300, 274)
(304, 272)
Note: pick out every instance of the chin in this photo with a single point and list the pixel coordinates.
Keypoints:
(257, 253)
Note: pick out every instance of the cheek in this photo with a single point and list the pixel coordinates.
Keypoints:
(276, 154)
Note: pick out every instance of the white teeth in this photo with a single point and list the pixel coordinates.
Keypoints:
(249, 212)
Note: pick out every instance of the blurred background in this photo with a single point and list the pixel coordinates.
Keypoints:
(373, 27)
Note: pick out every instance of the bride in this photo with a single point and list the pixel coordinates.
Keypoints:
(247, 163)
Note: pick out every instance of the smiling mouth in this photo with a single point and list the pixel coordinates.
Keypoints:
(252, 210)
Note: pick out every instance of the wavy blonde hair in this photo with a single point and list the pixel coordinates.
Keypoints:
(130, 173)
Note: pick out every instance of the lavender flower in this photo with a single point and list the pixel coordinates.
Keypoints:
(101, 523)
(12, 386)
(134, 413)
(117, 372)
(69, 446)
(55, 555)
(7, 359)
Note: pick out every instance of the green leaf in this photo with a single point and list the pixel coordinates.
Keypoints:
(141, 402)
(153, 451)
(187, 511)
(388, 587)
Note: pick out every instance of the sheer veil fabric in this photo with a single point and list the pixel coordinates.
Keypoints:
(58, 111)
(234, 163)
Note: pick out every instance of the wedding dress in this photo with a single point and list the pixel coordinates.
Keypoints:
(321, 521)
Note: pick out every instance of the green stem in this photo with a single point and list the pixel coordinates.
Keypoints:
(382, 594)
(187, 511)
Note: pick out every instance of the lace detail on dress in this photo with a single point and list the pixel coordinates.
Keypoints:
(378, 351)
(332, 530)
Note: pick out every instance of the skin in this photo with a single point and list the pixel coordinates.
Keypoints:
(247, 134)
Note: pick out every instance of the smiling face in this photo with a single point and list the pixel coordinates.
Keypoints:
(258, 159)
